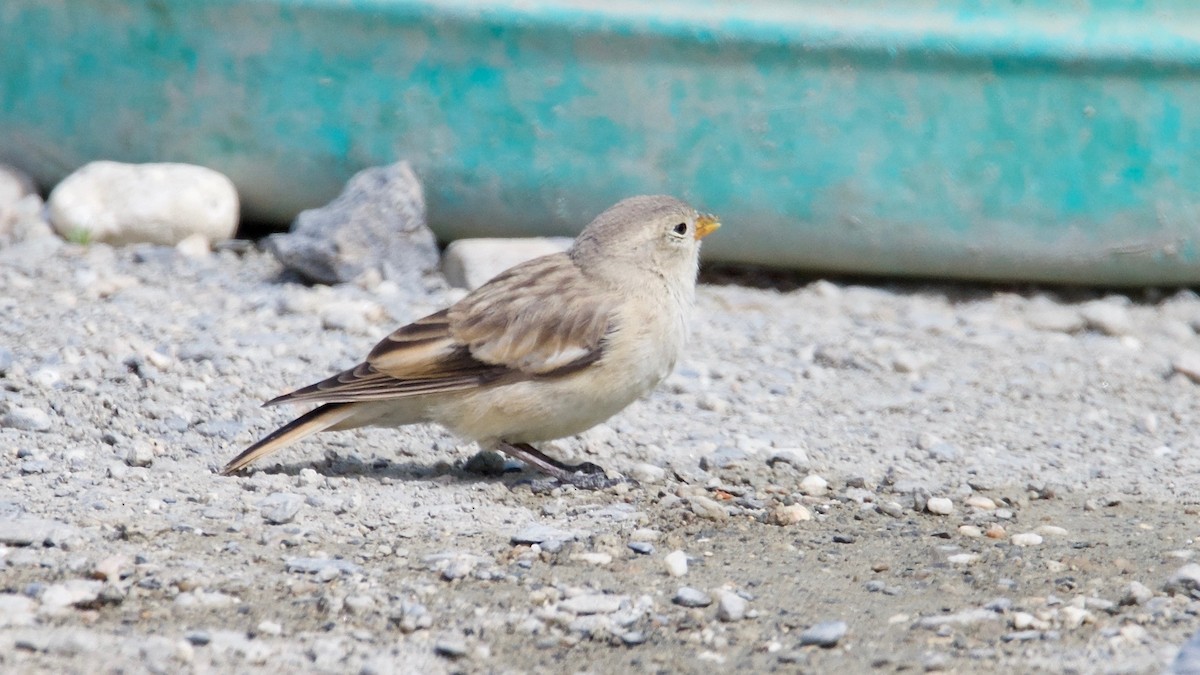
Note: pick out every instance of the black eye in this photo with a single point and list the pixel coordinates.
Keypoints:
(680, 228)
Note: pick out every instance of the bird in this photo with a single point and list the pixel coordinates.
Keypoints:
(545, 350)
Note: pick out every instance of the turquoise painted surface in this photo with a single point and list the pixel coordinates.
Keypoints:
(1044, 139)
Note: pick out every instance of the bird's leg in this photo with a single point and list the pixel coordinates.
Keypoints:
(585, 475)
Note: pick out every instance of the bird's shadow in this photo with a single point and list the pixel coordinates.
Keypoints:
(340, 466)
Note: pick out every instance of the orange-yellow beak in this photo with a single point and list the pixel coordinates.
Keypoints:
(706, 225)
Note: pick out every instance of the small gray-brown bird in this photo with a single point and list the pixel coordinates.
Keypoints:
(548, 349)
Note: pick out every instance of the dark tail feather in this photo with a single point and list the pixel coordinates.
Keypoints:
(310, 423)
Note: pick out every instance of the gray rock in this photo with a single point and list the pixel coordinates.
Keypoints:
(731, 606)
(16, 610)
(687, 596)
(377, 223)
(450, 647)
(71, 593)
(280, 507)
(538, 534)
(140, 454)
(26, 419)
(469, 263)
(825, 634)
(153, 203)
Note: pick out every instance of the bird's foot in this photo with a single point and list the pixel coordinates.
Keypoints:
(586, 476)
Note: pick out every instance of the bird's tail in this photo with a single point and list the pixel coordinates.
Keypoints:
(310, 423)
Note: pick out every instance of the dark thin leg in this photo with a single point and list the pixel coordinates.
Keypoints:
(586, 475)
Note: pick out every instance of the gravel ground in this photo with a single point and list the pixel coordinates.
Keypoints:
(839, 476)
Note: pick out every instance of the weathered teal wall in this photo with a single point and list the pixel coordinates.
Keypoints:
(1053, 140)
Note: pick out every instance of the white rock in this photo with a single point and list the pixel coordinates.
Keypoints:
(155, 203)
(16, 610)
(1026, 539)
(677, 563)
(814, 485)
(594, 603)
(731, 606)
(1188, 364)
(647, 473)
(26, 419)
(469, 263)
(1107, 317)
(941, 506)
(790, 515)
(963, 559)
(69, 593)
(1051, 531)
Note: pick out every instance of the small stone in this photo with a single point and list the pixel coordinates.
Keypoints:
(153, 203)
(593, 557)
(795, 457)
(825, 634)
(450, 647)
(731, 606)
(945, 453)
(16, 610)
(980, 502)
(470, 263)
(1136, 593)
(641, 547)
(890, 508)
(1051, 531)
(140, 454)
(963, 559)
(940, 506)
(280, 508)
(707, 508)
(267, 627)
(970, 530)
(1185, 581)
(648, 474)
(1026, 539)
(677, 563)
(790, 515)
(34, 532)
(687, 596)
(1074, 617)
(1055, 318)
(1188, 364)
(194, 246)
(538, 534)
(1107, 317)
(71, 593)
(112, 568)
(814, 485)
(26, 419)
(318, 565)
(596, 603)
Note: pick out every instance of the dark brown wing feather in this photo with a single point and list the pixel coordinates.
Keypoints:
(539, 319)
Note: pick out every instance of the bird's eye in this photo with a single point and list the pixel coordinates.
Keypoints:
(680, 229)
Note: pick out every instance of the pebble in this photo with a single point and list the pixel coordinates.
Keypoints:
(112, 568)
(1051, 531)
(814, 485)
(1185, 581)
(731, 606)
(941, 506)
(790, 514)
(411, 617)
(963, 558)
(980, 502)
(470, 263)
(26, 419)
(825, 634)
(268, 627)
(318, 565)
(595, 603)
(687, 596)
(963, 618)
(890, 508)
(641, 547)
(1055, 318)
(70, 593)
(1107, 317)
(970, 531)
(707, 508)
(1188, 365)
(34, 532)
(795, 457)
(538, 534)
(1026, 539)
(1136, 593)
(944, 453)
(154, 203)
(450, 647)
(647, 474)
(16, 610)
(676, 563)
(140, 454)
(280, 508)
